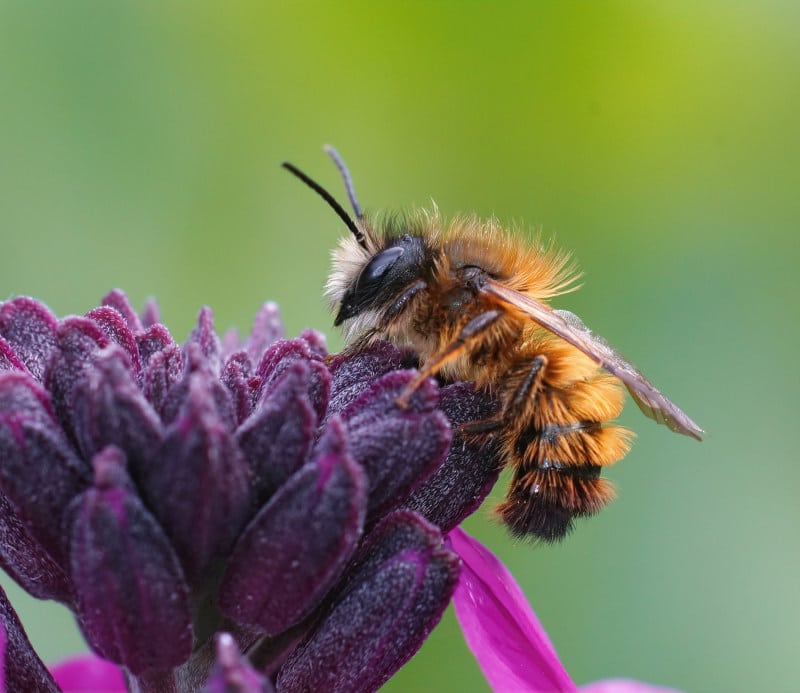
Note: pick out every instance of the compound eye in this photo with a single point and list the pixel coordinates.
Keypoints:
(385, 274)
(379, 265)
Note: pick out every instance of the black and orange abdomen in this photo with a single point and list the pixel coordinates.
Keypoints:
(557, 438)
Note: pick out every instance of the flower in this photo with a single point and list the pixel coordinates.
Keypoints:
(88, 674)
(190, 503)
(501, 629)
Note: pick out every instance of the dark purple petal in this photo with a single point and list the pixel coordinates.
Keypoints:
(131, 596)
(110, 409)
(390, 606)
(27, 561)
(230, 343)
(297, 546)
(316, 342)
(152, 341)
(232, 673)
(40, 474)
(30, 328)
(150, 314)
(88, 674)
(277, 437)
(111, 321)
(78, 340)
(198, 484)
(471, 468)
(206, 338)
(21, 669)
(267, 329)
(352, 373)
(118, 300)
(23, 398)
(270, 653)
(398, 447)
(511, 646)
(164, 370)
(197, 367)
(237, 377)
(8, 358)
(281, 356)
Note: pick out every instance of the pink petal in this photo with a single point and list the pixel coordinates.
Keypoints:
(624, 686)
(88, 674)
(500, 627)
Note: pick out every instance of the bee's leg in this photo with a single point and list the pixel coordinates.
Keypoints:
(400, 304)
(470, 333)
(516, 406)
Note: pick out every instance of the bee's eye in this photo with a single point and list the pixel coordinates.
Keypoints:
(378, 266)
(388, 272)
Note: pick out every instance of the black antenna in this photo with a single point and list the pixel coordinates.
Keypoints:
(331, 151)
(325, 195)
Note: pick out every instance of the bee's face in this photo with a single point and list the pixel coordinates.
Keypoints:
(383, 277)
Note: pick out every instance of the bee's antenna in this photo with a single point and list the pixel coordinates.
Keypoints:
(325, 195)
(331, 151)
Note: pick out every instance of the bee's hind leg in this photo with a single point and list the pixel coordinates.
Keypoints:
(516, 405)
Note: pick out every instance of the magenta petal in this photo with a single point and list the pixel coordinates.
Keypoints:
(232, 672)
(624, 686)
(88, 674)
(500, 627)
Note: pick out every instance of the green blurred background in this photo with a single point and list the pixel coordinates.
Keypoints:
(139, 148)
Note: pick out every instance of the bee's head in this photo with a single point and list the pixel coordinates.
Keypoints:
(369, 274)
(383, 277)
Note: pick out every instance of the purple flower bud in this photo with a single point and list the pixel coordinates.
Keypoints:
(237, 377)
(27, 561)
(40, 473)
(197, 480)
(164, 370)
(113, 324)
(78, 340)
(30, 328)
(391, 603)
(267, 329)
(207, 340)
(280, 356)
(150, 315)
(166, 491)
(295, 549)
(110, 409)
(232, 673)
(354, 373)
(131, 597)
(154, 340)
(277, 437)
(118, 300)
(459, 486)
(398, 447)
(8, 358)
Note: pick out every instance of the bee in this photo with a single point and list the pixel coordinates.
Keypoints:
(472, 300)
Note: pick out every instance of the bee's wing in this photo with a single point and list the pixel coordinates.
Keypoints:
(570, 328)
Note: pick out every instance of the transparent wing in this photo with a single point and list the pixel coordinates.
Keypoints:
(571, 329)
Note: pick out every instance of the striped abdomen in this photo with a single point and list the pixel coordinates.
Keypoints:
(557, 439)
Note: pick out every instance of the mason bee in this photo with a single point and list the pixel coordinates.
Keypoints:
(472, 300)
